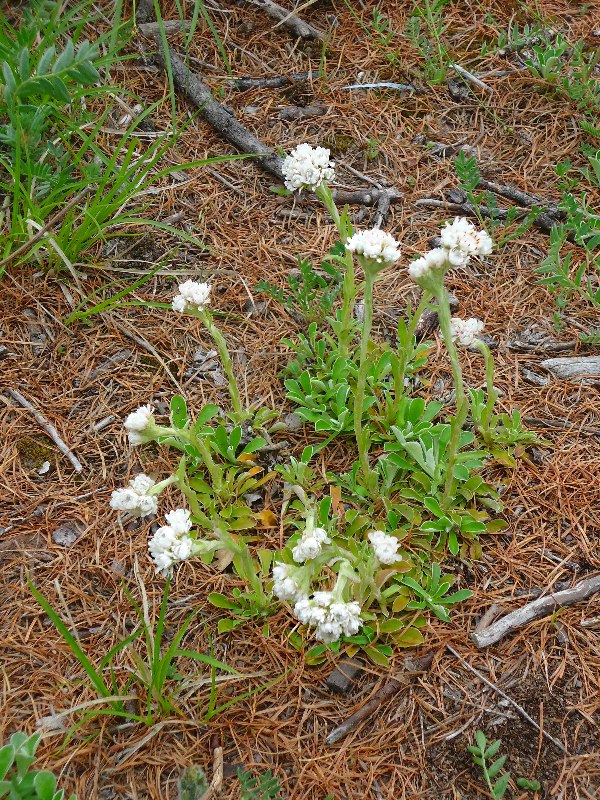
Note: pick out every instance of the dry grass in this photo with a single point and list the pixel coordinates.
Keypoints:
(416, 745)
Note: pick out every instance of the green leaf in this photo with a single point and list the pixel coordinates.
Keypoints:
(227, 625)
(65, 59)
(205, 414)
(495, 768)
(481, 740)
(179, 413)
(376, 656)
(6, 759)
(392, 626)
(45, 785)
(411, 637)
(493, 749)
(501, 786)
(221, 601)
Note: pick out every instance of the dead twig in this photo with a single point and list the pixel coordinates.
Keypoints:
(276, 82)
(542, 607)
(48, 427)
(288, 19)
(387, 691)
(504, 696)
(561, 424)
(217, 115)
(470, 77)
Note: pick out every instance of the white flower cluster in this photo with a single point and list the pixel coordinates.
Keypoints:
(284, 585)
(137, 422)
(434, 259)
(135, 498)
(460, 240)
(462, 237)
(385, 547)
(171, 543)
(310, 545)
(307, 167)
(192, 295)
(375, 245)
(331, 617)
(465, 331)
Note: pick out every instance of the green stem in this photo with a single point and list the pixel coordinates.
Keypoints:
(492, 393)
(349, 296)
(462, 403)
(405, 355)
(246, 569)
(349, 285)
(221, 346)
(362, 432)
(216, 473)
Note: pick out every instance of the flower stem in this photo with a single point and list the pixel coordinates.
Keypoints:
(361, 431)
(246, 569)
(349, 285)
(462, 403)
(405, 354)
(215, 471)
(492, 392)
(221, 346)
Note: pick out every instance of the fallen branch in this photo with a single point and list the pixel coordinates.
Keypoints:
(48, 427)
(561, 424)
(217, 115)
(241, 138)
(276, 82)
(387, 691)
(457, 205)
(542, 607)
(288, 19)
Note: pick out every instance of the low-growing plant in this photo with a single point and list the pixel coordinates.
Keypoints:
(158, 684)
(482, 753)
(576, 273)
(467, 172)
(310, 294)
(425, 29)
(362, 568)
(265, 787)
(18, 781)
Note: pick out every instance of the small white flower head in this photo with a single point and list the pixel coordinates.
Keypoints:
(465, 331)
(179, 520)
(135, 498)
(341, 618)
(375, 246)
(168, 549)
(138, 423)
(436, 259)
(142, 483)
(192, 296)
(385, 546)
(461, 237)
(310, 545)
(307, 167)
(285, 586)
(332, 618)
